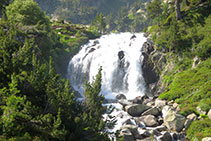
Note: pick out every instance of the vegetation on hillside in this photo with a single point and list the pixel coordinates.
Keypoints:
(35, 102)
(184, 35)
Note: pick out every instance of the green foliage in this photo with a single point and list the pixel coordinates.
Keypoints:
(21, 11)
(155, 9)
(190, 87)
(199, 129)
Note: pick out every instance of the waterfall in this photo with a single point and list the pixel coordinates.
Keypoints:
(120, 56)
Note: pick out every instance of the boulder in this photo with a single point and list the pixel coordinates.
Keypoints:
(150, 121)
(128, 136)
(166, 137)
(152, 111)
(160, 103)
(120, 96)
(141, 133)
(209, 114)
(174, 121)
(136, 109)
(206, 139)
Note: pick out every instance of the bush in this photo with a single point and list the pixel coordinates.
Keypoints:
(199, 129)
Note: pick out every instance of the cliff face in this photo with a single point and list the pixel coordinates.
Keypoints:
(153, 64)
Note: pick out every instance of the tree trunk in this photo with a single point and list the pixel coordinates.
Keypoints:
(177, 9)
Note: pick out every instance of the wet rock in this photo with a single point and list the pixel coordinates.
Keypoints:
(124, 102)
(174, 121)
(155, 132)
(149, 72)
(138, 100)
(175, 136)
(91, 50)
(166, 137)
(121, 55)
(134, 36)
(136, 109)
(150, 120)
(147, 139)
(141, 134)
(128, 121)
(152, 111)
(206, 139)
(120, 96)
(128, 136)
(160, 103)
(209, 114)
(130, 127)
(161, 128)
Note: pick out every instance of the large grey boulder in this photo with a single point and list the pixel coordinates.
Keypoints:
(136, 109)
(152, 111)
(150, 121)
(209, 114)
(174, 121)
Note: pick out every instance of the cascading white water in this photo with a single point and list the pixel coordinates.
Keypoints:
(120, 58)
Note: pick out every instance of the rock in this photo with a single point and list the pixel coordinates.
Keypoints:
(124, 102)
(91, 50)
(189, 120)
(161, 128)
(200, 110)
(134, 36)
(141, 134)
(192, 116)
(175, 105)
(150, 120)
(209, 114)
(196, 61)
(152, 111)
(128, 121)
(175, 136)
(174, 121)
(120, 96)
(166, 137)
(149, 72)
(147, 139)
(160, 103)
(138, 100)
(121, 55)
(206, 139)
(128, 136)
(187, 123)
(130, 127)
(155, 132)
(136, 109)
(165, 110)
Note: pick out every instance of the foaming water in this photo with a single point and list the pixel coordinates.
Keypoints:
(120, 58)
